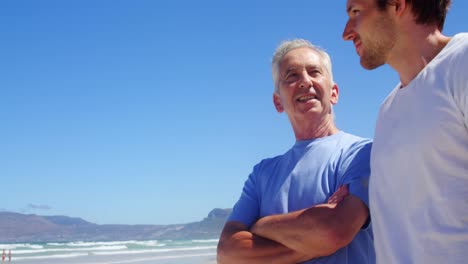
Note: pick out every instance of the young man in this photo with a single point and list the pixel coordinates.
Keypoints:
(419, 162)
(282, 215)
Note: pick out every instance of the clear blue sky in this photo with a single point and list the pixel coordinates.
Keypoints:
(155, 112)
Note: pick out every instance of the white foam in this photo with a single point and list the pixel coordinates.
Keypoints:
(129, 252)
(91, 244)
(150, 243)
(55, 244)
(51, 256)
(100, 248)
(15, 246)
(110, 243)
(206, 241)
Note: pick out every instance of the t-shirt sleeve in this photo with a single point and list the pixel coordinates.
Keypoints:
(246, 210)
(355, 170)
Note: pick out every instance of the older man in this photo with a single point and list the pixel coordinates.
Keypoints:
(282, 215)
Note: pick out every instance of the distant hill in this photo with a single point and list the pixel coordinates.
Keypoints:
(17, 228)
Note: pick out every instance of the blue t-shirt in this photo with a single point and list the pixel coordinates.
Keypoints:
(308, 174)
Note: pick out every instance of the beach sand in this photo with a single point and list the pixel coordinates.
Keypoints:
(203, 258)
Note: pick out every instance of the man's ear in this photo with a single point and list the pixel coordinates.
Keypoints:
(399, 6)
(335, 92)
(277, 102)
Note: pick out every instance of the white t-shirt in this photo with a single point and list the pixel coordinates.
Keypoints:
(419, 165)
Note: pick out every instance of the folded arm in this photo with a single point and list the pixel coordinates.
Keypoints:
(237, 245)
(317, 231)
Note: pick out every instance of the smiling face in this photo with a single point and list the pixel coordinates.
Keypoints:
(372, 31)
(305, 92)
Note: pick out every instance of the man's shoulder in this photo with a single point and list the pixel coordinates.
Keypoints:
(352, 141)
(352, 146)
(461, 37)
(456, 48)
(271, 160)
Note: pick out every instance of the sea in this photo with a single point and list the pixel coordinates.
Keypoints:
(113, 252)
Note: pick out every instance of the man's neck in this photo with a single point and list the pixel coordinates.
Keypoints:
(414, 49)
(313, 131)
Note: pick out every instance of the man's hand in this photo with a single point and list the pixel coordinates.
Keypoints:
(339, 195)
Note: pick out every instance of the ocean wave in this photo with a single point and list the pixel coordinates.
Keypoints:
(181, 242)
(49, 250)
(110, 243)
(73, 255)
(149, 243)
(15, 246)
(143, 251)
(206, 241)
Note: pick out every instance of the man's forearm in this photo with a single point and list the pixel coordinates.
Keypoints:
(301, 231)
(237, 247)
(316, 231)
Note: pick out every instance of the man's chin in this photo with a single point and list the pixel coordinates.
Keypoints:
(370, 65)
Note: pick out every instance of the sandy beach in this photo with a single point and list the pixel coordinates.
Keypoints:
(202, 258)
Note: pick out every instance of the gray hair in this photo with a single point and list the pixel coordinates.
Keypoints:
(287, 46)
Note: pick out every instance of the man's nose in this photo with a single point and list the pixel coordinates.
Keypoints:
(306, 81)
(348, 33)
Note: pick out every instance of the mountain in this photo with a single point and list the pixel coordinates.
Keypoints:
(17, 228)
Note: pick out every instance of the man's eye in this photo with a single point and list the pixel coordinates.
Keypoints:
(355, 11)
(291, 76)
(314, 72)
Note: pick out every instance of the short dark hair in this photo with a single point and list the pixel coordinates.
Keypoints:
(425, 11)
